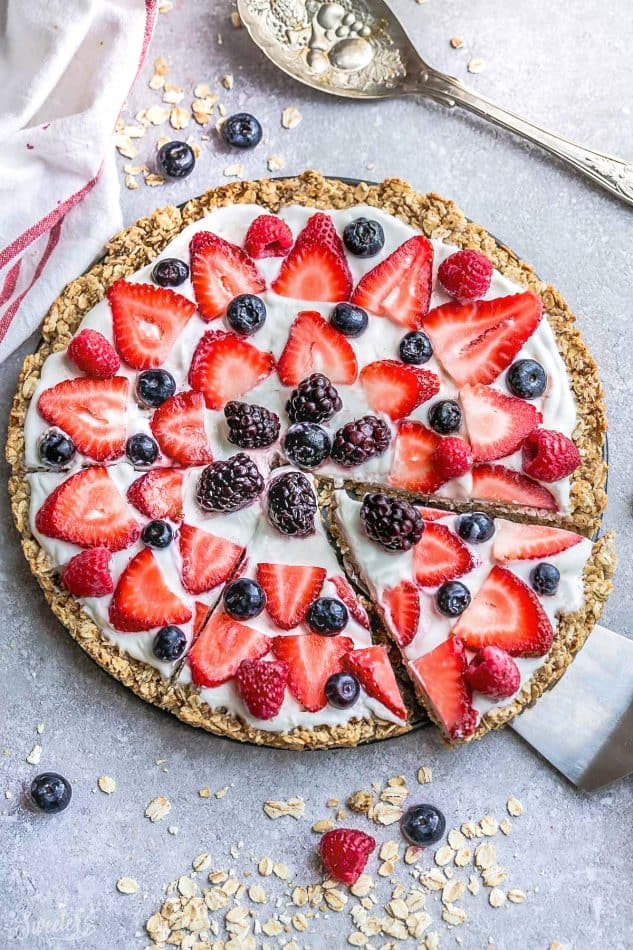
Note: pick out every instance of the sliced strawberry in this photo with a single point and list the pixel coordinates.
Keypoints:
(402, 607)
(207, 560)
(412, 466)
(501, 484)
(219, 272)
(400, 286)
(93, 412)
(158, 494)
(142, 600)
(441, 676)
(224, 367)
(89, 510)
(311, 660)
(373, 670)
(477, 341)
(506, 613)
(290, 589)
(314, 346)
(395, 388)
(347, 594)
(200, 615)
(316, 268)
(520, 542)
(440, 556)
(179, 429)
(433, 514)
(222, 645)
(146, 322)
(497, 424)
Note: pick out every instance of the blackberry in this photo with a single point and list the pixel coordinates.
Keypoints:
(314, 400)
(229, 485)
(292, 505)
(251, 427)
(392, 522)
(360, 440)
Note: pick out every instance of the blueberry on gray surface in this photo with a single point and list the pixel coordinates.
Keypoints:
(307, 444)
(241, 130)
(246, 314)
(526, 379)
(423, 825)
(154, 386)
(230, 484)
(314, 400)
(545, 578)
(327, 616)
(445, 416)
(141, 449)
(291, 505)
(251, 427)
(176, 159)
(170, 272)
(244, 599)
(360, 440)
(342, 690)
(169, 643)
(157, 534)
(51, 792)
(349, 319)
(415, 348)
(392, 522)
(476, 527)
(56, 449)
(364, 237)
(452, 598)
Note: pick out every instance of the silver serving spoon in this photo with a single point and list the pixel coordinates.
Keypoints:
(359, 49)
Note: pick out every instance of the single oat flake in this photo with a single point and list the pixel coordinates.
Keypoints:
(127, 885)
(293, 808)
(106, 784)
(158, 808)
(291, 117)
(456, 42)
(514, 806)
(476, 65)
(34, 756)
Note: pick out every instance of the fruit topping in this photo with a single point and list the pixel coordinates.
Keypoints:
(549, 455)
(314, 346)
(441, 674)
(494, 673)
(311, 660)
(545, 579)
(158, 494)
(348, 595)
(465, 275)
(244, 599)
(349, 319)
(392, 522)
(497, 424)
(477, 527)
(178, 426)
(222, 646)
(262, 686)
(146, 322)
(246, 314)
(241, 130)
(412, 466)
(229, 485)
(342, 690)
(440, 556)
(141, 449)
(307, 444)
(176, 159)
(56, 449)
(93, 412)
(268, 236)
(372, 668)
(50, 792)
(415, 348)
(360, 440)
(327, 616)
(400, 286)
(170, 272)
(93, 355)
(224, 367)
(396, 389)
(251, 427)
(87, 574)
(519, 542)
(207, 559)
(314, 400)
(526, 379)
(169, 643)
(220, 271)
(289, 589)
(316, 268)
(452, 598)
(423, 825)
(445, 416)
(291, 504)
(402, 606)
(498, 483)
(157, 534)
(452, 458)
(154, 386)
(143, 600)
(364, 237)
(344, 852)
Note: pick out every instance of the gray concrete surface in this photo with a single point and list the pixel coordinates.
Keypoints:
(569, 66)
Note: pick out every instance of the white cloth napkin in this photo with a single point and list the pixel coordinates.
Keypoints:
(66, 68)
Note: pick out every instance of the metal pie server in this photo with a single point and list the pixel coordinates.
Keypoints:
(584, 725)
(359, 49)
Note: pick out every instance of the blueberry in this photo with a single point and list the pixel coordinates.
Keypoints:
(157, 534)
(544, 578)
(342, 690)
(154, 386)
(364, 237)
(327, 616)
(452, 598)
(415, 348)
(141, 449)
(169, 643)
(445, 416)
(246, 314)
(56, 449)
(527, 379)
(349, 319)
(307, 444)
(170, 272)
(176, 159)
(244, 598)
(476, 527)
(423, 825)
(51, 792)
(241, 130)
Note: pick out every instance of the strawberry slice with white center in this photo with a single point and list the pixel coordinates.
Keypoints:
(441, 676)
(402, 608)
(158, 494)
(347, 594)
(497, 424)
(207, 560)
(505, 613)
(178, 426)
(311, 660)
(314, 346)
(316, 268)
(400, 286)
(220, 271)
(142, 600)
(373, 670)
(521, 542)
(89, 510)
(225, 367)
(93, 412)
(220, 648)
(290, 589)
(412, 467)
(476, 341)
(146, 321)
(440, 556)
(501, 484)
(395, 388)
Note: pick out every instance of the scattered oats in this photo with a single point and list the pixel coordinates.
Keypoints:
(488, 825)
(299, 896)
(201, 862)
(516, 896)
(291, 117)
(173, 829)
(280, 870)
(485, 856)
(556, 946)
(294, 807)
(257, 894)
(386, 869)
(106, 784)
(496, 898)
(156, 82)
(324, 825)
(222, 109)
(425, 772)
(444, 855)
(157, 115)
(457, 42)
(127, 885)
(476, 65)
(395, 794)
(412, 854)
(158, 928)
(203, 108)
(362, 886)
(34, 756)
(473, 884)
(456, 839)
(300, 922)
(179, 118)
(357, 939)
(158, 808)
(360, 802)
(160, 66)
(390, 851)
(335, 899)
(204, 792)
(454, 916)
(221, 792)
(165, 6)
(453, 891)
(275, 163)
(272, 927)
(433, 879)
(463, 856)
(227, 81)
(469, 829)
(332, 803)
(173, 94)
(386, 814)
(493, 876)
(514, 806)
(40, 728)
(236, 20)
(265, 867)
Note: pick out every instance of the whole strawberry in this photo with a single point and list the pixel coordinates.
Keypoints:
(268, 236)
(344, 852)
(93, 355)
(549, 455)
(262, 686)
(465, 275)
(494, 673)
(452, 457)
(87, 574)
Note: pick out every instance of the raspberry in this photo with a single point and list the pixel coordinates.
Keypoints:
(87, 574)
(229, 485)
(344, 852)
(453, 457)
(291, 504)
(314, 400)
(251, 427)
(494, 673)
(360, 440)
(268, 236)
(549, 455)
(465, 275)
(93, 355)
(391, 522)
(262, 686)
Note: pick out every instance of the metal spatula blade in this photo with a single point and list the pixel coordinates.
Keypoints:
(584, 725)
